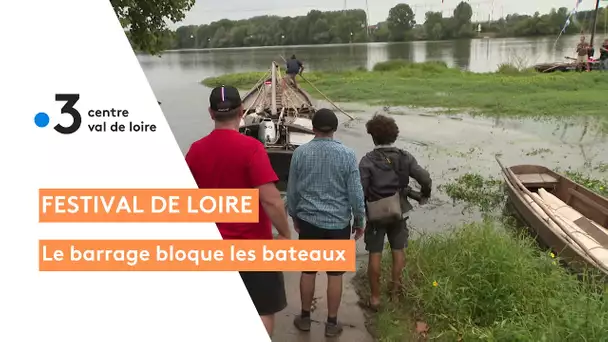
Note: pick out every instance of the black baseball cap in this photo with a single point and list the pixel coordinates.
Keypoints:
(325, 120)
(224, 99)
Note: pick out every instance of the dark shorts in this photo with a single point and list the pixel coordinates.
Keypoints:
(312, 232)
(267, 291)
(396, 232)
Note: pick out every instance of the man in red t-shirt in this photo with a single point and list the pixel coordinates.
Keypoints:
(227, 159)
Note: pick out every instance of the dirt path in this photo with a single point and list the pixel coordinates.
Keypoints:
(350, 314)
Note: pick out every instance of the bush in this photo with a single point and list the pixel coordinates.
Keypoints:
(400, 64)
(391, 65)
(508, 69)
(240, 80)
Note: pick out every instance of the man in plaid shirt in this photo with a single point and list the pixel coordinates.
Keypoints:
(324, 193)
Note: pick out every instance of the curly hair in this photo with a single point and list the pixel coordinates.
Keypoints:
(383, 129)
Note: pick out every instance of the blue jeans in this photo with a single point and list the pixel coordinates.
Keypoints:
(604, 64)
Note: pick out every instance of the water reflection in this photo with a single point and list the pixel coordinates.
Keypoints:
(478, 55)
(461, 52)
(400, 51)
(175, 78)
(588, 135)
(433, 51)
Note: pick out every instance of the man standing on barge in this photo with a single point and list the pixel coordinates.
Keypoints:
(294, 67)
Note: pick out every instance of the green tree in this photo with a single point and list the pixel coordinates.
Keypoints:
(380, 32)
(463, 13)
(146, 20)
(400, 21)
(318, 27)
(186, 37)
(433, 25)
(219, 38)
(320, 32)
(462, 20)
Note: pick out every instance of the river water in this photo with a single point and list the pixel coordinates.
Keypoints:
(447, 145)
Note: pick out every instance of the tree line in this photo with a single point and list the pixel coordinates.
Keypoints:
(336, 27)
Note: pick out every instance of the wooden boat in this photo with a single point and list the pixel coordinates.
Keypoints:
(565, 216)
(571, 66)
(564, 66)
(279, 114)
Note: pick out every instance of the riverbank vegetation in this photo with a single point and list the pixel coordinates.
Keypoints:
(351, 26)
(487, 281)
(511, 91)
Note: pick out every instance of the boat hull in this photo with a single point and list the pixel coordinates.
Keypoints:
(563, 67)
(575, 195)
(279, 114)
(280, 161)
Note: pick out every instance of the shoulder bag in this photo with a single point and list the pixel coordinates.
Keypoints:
(388, 209)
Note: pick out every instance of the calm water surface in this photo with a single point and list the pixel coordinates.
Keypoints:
(448, 145)
(176, 75)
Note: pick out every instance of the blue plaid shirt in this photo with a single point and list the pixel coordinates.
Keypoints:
(324, 186)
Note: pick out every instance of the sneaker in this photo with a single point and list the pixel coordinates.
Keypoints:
(333, 330)
(302, 323)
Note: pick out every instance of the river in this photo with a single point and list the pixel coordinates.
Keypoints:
(448, 145)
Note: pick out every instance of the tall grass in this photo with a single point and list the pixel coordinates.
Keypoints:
(482, 283)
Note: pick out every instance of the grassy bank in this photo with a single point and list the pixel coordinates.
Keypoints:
(481, 282)
(486, 282)
(507, 92)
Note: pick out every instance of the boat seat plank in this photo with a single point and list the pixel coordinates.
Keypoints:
(600, 236)
(537, 179)
(588, 201)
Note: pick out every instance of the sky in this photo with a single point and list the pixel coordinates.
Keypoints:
(206, 11)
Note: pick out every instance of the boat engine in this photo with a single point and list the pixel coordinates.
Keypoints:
(252, 119)
(267, 133)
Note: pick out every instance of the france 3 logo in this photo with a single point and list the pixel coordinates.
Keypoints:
(42, 119)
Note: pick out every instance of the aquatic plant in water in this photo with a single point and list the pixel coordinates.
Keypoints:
(476, 191)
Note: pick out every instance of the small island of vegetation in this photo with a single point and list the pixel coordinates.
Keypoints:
(510, 91)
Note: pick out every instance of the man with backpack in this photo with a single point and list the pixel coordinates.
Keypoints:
(385, 175)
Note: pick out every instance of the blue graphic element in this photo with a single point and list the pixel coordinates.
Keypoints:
(41, 119)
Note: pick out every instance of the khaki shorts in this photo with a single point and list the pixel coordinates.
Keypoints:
(292, 78)
(396, 232)
(582, 59)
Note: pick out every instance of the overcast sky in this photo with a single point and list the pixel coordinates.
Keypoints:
(206, 11)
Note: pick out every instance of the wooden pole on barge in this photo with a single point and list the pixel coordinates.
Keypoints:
(597, 6)
(273, 89)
